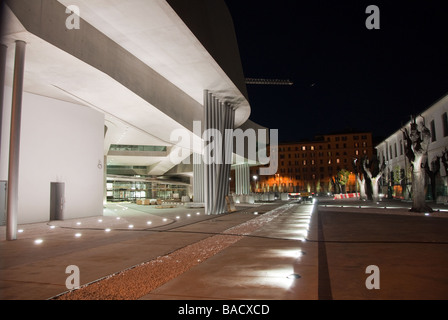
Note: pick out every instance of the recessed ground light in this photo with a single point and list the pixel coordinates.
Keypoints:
(100, 220)
(78, 235)
(78, 223)
(188, 215)
(177, 217)
(255, 213)
(149, 222)
(52, 227)
(38, 241)
(118, 218)
(426, 214)
(164, 220)
(131, 226)
(20, 230)
(198, 213)
(107, 230)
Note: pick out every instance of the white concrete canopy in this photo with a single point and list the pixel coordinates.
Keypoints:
(135, 61)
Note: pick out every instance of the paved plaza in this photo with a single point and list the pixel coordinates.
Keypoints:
(272, 251)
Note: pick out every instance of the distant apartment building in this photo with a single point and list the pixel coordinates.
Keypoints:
(309, 166)
(397, 178)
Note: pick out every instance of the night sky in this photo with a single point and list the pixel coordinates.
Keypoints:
(345, 76)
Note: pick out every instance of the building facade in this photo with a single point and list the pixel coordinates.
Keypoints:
(397, 178)
(309, 166)
(99, 90)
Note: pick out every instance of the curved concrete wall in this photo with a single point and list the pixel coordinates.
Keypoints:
(46, 19)
(212, 24)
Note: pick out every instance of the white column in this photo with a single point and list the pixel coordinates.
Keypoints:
(220, 116)
(105, 181)
(14, 146)
(3, 50)
(242, 178)
(198, 178)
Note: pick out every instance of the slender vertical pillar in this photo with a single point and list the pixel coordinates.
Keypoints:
(219, 116)
(238, 189)
(105, 181)
(207, 113)
(198, 178)
(242, 181)
(14, 146)
(228, 155)
(3, 50)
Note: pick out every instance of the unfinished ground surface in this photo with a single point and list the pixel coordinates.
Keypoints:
(140, 280)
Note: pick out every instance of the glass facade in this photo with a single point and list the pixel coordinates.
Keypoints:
(133, 190)
(122, 147)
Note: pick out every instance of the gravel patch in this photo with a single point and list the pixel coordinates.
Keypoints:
(135, 282)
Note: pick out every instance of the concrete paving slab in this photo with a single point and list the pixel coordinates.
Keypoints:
(409, 250)
(259, 267)
(340, 242)
(37, 271)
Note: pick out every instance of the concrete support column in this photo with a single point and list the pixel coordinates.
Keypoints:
(105, 181)
(3, 50)
(218, 117)
(242, 178)
(198, 178)
(14, 146)
(238, 189)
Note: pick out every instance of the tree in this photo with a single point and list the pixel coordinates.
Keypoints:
(361, 178)
(417, 141)
(374, 171)
(396, 175)
(343, 176)
(336, 185)
(318, 187)
(444, 160)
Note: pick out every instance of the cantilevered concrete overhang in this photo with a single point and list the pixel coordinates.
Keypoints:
(136, 61)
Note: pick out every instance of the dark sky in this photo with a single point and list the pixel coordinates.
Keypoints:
(368, 80)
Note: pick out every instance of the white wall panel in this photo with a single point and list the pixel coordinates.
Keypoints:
(60, 142)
